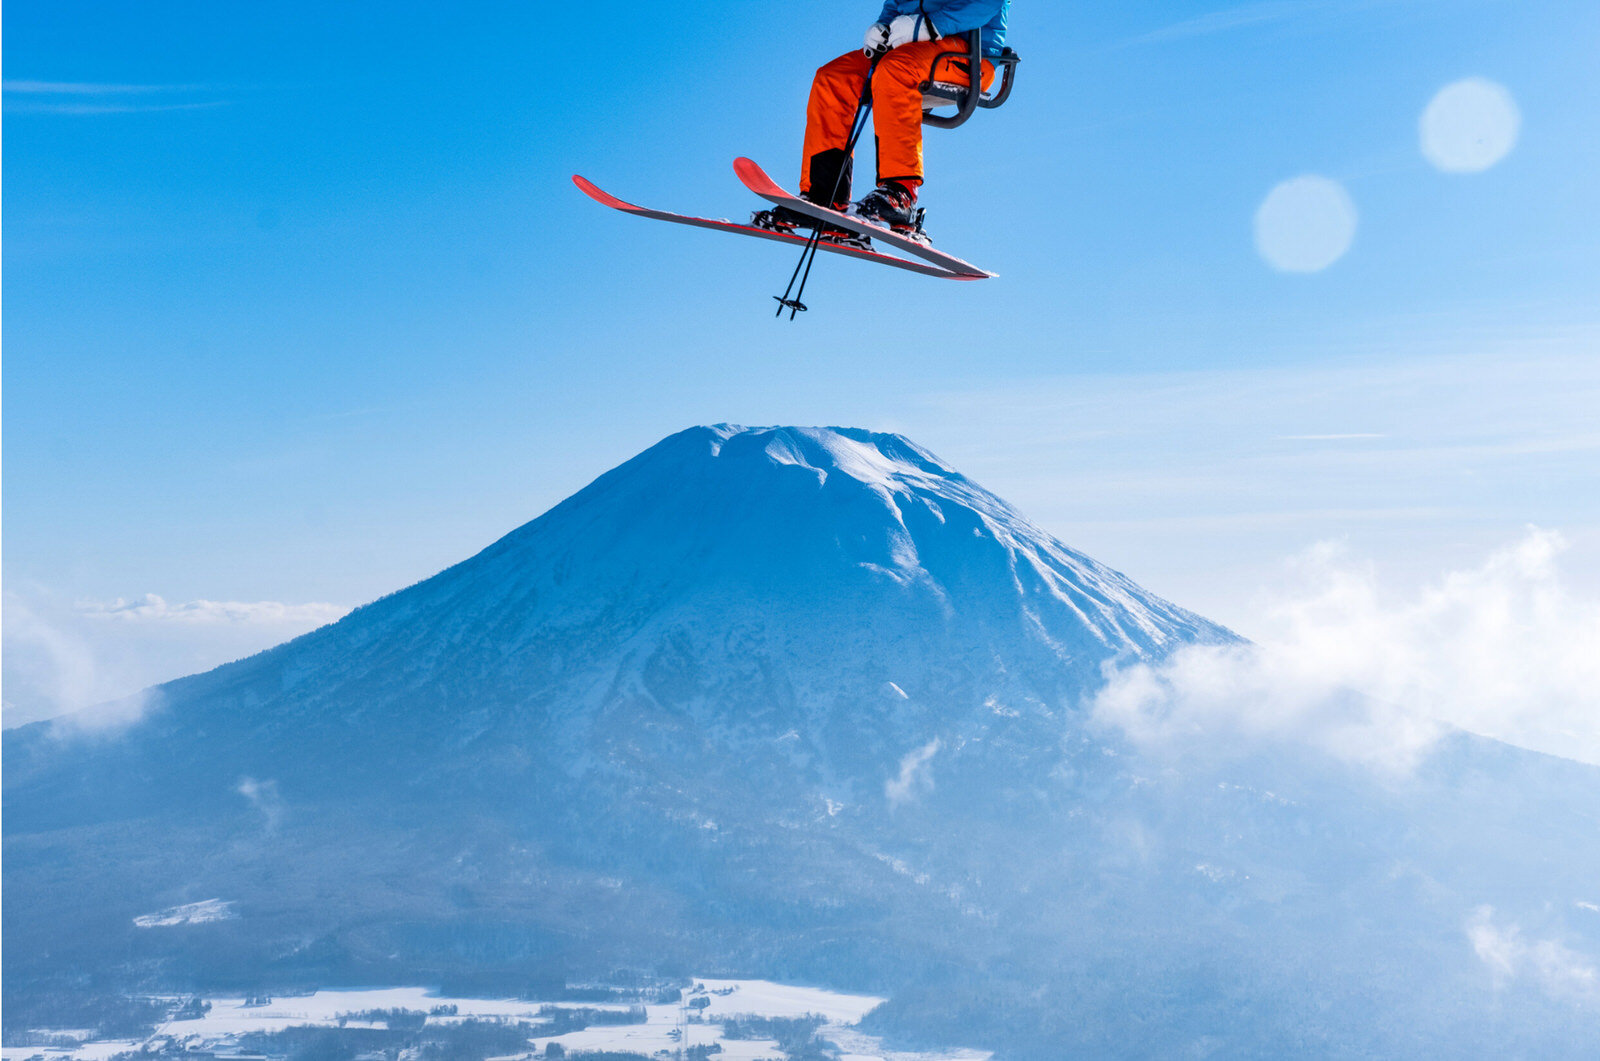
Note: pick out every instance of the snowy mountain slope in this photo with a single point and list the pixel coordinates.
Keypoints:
(796, 703)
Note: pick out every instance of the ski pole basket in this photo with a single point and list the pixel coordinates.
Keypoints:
(966, 98)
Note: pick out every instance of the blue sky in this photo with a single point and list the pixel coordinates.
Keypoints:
(300, 305)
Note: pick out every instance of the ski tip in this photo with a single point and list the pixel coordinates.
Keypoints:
(598, 194)
(753, 175)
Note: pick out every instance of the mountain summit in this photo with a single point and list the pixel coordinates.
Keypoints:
(794, 702)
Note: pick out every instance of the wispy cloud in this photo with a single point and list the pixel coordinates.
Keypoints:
(110, 108)
(1551, 965)
(153, 609)
(40, 653)
(1189, 480)
(107, 717)
(94, 97)
(1246, 16)
(915, 777)
(1502, 649)
(91, 88)
(1230, 19)
(263, 796)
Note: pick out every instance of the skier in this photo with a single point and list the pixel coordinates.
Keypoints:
(900, 49)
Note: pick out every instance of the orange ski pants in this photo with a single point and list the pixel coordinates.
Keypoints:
(897, 110)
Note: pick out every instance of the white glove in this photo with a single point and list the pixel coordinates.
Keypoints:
(877, 41)
(907, 28)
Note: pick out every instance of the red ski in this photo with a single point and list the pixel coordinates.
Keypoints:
(756, 179)
(607, 199)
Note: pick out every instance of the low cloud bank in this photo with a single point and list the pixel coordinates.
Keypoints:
(1502, 649)
(66, 657)
(151, 608)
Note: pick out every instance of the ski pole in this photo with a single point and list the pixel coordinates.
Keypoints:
(808, 253)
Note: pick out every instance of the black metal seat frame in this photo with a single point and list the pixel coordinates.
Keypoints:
(967, 98)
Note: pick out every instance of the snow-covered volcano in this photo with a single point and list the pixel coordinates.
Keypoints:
(840, 559)
(841, 591)
(758, 582)
(779, 702)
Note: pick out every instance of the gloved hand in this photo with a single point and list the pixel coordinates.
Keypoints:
(877, 41)
(907, 28)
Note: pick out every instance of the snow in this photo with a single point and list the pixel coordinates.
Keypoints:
(656, 1034)
(190, 914)
(232, 1017)
(758, 998)
(94, 1050)
(855, 1046)
(666, 1027)
(766, 999)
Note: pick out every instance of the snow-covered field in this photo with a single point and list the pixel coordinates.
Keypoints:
(230, 1017)
(101, 1050)
(695, 1021)
(190, 914)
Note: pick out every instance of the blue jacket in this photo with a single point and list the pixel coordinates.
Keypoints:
(954, 17)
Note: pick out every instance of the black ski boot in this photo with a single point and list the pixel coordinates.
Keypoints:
(893, 206)
(794, 223)
(779, 219)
